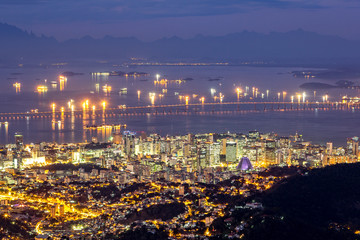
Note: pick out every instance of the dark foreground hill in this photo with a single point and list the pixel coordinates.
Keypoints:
(323, 196)
(313, 205)
(323, 204)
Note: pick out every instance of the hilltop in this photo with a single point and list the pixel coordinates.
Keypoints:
(318, 204)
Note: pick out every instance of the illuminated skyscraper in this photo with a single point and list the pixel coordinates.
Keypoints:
(19, 140)
(230, 152)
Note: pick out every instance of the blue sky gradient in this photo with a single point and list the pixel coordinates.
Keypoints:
(153, 19)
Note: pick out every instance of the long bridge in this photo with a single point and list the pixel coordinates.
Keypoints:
(190, 108)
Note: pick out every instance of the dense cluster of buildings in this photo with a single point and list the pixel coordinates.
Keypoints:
(148, 155)
(86, 189)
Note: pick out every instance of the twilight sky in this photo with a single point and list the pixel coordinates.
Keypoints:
(153, 19)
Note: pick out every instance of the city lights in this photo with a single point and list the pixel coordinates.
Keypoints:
(62, 82)
(221, 97)
(304, 96)
(152, 96)
(238, 92)
(119, 128)
(107, 89)
(42, 89)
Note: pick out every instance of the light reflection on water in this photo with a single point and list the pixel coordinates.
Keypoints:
(318, 126)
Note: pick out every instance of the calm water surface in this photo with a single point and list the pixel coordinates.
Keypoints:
(317, 126)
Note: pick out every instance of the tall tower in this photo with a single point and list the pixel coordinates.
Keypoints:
(19, 140)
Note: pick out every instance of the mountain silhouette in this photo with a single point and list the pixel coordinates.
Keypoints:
(292, 46)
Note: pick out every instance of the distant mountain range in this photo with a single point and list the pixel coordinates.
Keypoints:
(294, 46)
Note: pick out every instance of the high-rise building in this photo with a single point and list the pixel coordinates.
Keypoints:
(230, 152)
(279, 156)
(19, 140)
(186, 151)
(61, 210)
(223, 146)
(329, 148)
(324, 159)
(53, 211)
(201, 158)
(355, 148)
(214, 154)
(190, 138)
(211, 137)
(17, 160)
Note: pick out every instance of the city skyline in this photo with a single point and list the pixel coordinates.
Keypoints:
(179, 119)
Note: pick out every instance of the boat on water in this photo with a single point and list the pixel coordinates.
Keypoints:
(105, 126)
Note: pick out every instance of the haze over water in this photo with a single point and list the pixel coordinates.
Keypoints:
(316, 126)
